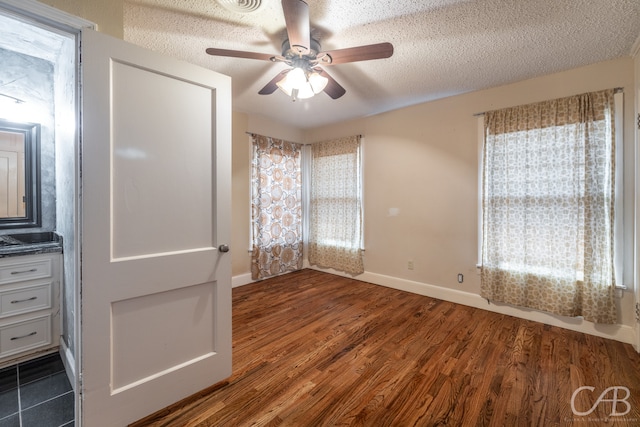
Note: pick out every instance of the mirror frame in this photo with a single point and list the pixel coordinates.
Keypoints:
(33, 210)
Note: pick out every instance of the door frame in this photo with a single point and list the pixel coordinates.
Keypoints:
(31, 10)
(47, 15)
(636, 269)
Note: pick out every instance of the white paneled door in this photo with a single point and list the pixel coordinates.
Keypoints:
(156, 278)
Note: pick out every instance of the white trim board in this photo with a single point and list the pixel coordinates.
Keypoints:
(245, 279)
(241, 280)
(621, 333)
(69, 362)
(42, 12)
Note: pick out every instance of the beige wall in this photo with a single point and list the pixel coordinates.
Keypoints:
(241, 152)
(423, 161)
(107, 14)
(421, 178)
(241, 163)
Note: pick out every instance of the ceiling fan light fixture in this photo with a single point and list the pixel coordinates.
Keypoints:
(317, 82)
(296, 78)
(300, 84)
(303, 92)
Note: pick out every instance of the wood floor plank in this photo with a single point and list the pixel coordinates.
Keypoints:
(314, 349)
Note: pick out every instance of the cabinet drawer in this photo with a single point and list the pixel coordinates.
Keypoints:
(26, 335)
(25, 300)
(27, 270)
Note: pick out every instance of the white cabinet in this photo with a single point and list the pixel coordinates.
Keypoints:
(29, 305)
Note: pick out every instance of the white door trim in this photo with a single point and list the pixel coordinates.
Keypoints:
(46, 14)
(636, 284)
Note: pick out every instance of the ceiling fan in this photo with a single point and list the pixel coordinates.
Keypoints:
(303, 54)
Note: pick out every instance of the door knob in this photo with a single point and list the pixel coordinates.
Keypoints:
(223, 248)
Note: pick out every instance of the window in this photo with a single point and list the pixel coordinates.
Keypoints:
(548, 206)
(335, 217)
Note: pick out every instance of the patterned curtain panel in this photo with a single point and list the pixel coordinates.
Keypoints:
(548, 206)
(276, 207)
(335, 225)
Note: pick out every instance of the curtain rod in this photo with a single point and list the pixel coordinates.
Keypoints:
(253, 133)
(615, 90)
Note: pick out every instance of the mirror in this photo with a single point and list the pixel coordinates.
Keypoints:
(19, 175)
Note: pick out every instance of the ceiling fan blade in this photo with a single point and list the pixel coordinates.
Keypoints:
(296, 17)
(240, 54)
(354, 54)
(272, 86)
(333, 88)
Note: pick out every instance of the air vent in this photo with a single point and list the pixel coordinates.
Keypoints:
(241, 6)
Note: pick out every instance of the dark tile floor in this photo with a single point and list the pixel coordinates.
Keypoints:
(36, 393)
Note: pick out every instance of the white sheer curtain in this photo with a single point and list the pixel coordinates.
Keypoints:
(548, 206)
(335, 219)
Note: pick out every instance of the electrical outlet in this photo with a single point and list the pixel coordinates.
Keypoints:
(410, 264)
(460, 278)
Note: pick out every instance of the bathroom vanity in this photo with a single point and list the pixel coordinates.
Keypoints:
(30, 283)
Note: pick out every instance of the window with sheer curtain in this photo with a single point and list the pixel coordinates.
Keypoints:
(276, 207)
(335, 217)
(548, 205)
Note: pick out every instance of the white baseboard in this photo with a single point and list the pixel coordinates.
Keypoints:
(69, 362)
(241, 280)
(623, 333)
(245, 279)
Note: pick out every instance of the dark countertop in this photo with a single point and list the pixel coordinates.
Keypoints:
(30, 244)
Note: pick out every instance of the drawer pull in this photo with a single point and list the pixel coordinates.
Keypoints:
(18, 301)
(24, 271)
(23, 336)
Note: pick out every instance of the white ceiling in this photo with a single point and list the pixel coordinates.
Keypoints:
(441, 47)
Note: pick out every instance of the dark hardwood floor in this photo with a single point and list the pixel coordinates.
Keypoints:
(313, 349)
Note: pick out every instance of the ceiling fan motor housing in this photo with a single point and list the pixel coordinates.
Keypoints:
(291, 54)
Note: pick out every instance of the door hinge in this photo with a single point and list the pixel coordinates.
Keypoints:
(638, 121)
(638, 312)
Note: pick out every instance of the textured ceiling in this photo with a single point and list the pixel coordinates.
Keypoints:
(441, 47)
